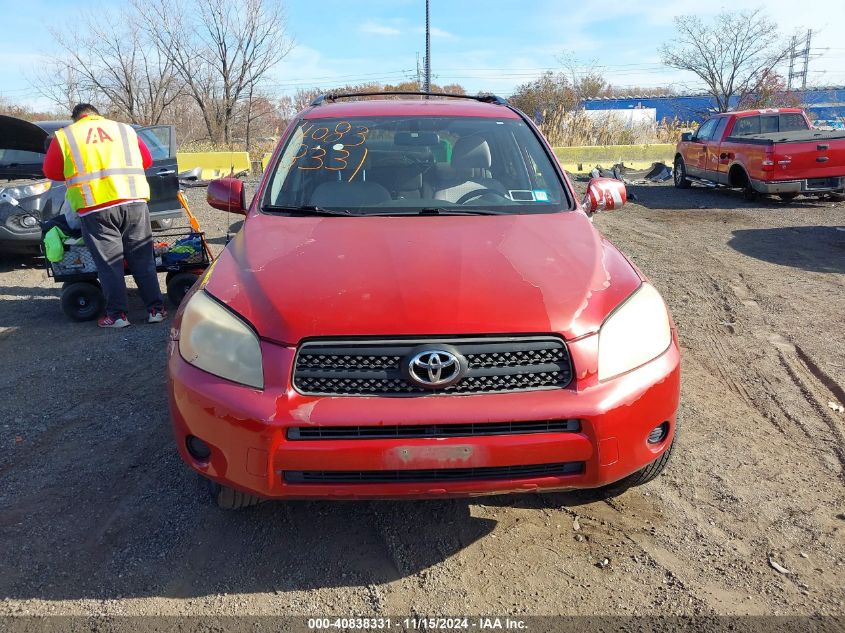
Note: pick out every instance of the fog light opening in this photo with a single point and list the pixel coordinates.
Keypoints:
(198, 449)
(29, 221)
(658, 433)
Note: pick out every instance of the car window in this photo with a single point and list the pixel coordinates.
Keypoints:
(768, 124)
(12, 157)
(157, 140)
(720, 128)
(414, 162)
(746, 126)
(706, 130)
(792, 121)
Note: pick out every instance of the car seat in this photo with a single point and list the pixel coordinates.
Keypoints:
(468, 172)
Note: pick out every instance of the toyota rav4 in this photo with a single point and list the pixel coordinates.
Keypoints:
(418, 306)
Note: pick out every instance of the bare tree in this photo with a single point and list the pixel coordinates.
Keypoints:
(220, 49)
(110, 58)
(59, 81)
(732, 55)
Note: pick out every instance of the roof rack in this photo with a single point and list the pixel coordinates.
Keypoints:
(331, 97)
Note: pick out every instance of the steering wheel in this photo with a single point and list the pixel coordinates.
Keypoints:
(478, 193)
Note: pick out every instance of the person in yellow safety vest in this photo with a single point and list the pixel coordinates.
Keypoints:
(103, 162)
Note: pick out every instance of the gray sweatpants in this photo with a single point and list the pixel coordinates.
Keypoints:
(115, 233)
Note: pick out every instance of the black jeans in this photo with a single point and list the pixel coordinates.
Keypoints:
(115, 233)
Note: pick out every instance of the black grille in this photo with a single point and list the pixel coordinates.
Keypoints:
(441, 474)
(431, 430)
(375, 368)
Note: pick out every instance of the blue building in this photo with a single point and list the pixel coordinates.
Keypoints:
(823, 103)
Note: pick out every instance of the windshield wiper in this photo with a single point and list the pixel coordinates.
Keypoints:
(305, 210)
(441, 211)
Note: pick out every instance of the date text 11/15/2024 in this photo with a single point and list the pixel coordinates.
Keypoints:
(418, 623)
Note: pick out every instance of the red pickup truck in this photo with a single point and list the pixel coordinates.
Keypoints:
(772, 151)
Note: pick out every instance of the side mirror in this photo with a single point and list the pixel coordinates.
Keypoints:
(604, 194)
(227, 194)
(686, 136)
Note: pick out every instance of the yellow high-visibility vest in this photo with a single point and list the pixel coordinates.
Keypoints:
(102, 163)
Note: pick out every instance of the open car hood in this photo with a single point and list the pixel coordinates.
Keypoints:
(21, 135)
(22, 148)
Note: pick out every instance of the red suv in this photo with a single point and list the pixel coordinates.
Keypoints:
(418, 306)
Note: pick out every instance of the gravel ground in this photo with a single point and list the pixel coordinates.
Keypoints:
(99, 516)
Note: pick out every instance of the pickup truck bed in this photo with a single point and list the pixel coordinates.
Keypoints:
(797, 136)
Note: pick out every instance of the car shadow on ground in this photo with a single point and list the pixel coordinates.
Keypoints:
(666, 196)
(10, 262)
(131, 520)
(811, 248)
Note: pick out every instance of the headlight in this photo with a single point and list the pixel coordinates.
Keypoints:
(635, 333)
(36, 190)
(217, 341)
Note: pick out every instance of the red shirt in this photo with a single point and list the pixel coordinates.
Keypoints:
(54, 169)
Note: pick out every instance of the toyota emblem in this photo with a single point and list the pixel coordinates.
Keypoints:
(435, 368)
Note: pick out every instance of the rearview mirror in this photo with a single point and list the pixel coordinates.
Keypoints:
(686, 136)
(419, 139)
(604, 194)
(227, 194)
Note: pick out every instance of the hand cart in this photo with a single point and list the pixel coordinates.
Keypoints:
(183, 254)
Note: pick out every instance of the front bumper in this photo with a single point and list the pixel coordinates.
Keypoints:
(247, 430)
(13, 234)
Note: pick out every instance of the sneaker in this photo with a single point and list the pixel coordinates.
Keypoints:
(114, 320)
(157, 315)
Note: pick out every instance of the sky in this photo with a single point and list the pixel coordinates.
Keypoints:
(493, 46)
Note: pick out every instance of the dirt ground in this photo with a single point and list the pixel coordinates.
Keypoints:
(99, 516)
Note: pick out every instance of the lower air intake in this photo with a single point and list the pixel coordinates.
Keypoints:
(559, 469)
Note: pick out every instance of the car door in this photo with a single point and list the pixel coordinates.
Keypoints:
(697, 156)
(162, 176)
(714, 162)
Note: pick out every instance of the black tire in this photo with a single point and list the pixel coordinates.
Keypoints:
(83, 300)
(230, 499)
(162, 225)
(749, 194)
(179, 285)
(787, 197)
(680, 174)
(646, 474)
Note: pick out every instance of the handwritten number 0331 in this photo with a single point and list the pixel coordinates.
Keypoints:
(317, 157)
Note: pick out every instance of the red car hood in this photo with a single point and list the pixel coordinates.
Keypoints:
(449, 275)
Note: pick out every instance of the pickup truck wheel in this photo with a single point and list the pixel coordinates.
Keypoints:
(749, 194)
(228, 498)
(680, 174)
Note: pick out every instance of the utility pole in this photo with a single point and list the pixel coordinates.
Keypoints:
(795, 55)
(791, 62)
(427, 87)
(806, 59)
(419, 76)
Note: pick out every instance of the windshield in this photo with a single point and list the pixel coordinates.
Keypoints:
(15, 157)
(385, 165)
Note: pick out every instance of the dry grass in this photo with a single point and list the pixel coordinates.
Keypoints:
(576, 128)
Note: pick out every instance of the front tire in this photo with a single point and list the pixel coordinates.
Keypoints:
(680, 174)
(230, 499)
